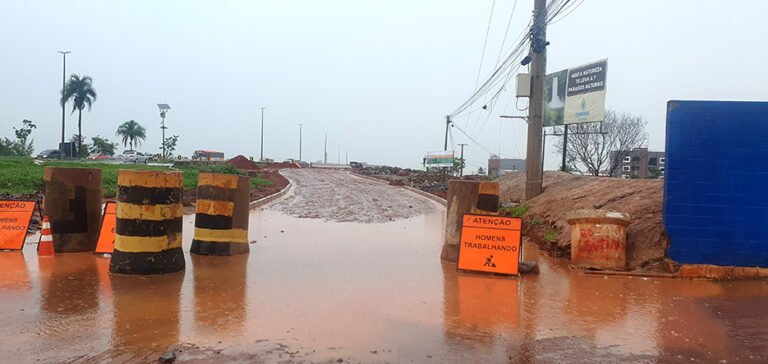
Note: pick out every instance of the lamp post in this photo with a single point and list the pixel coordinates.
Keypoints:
(300, 124)
(325, 149)
(63, 103)
(261, 158)
(163, 110)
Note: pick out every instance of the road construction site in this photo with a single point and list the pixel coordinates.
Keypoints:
(346, 269)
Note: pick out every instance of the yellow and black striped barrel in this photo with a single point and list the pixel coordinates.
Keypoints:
(221, 218)
(149, 222)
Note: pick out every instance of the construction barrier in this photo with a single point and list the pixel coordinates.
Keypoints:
(72, 202)
(466, 197)
(149, 223)
(221, 218)
(106, 241)
(15, 217)
(598, 239)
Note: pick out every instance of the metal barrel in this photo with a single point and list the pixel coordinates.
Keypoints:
(221, 218)
(72, 203)
(149, 223)
(466, 197)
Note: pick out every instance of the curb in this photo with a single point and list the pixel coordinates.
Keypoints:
(264, 200)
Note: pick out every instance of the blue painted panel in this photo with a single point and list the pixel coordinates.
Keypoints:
(716, 182)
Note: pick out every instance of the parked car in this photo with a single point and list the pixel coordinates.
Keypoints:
(131, 156)
(99, 156)
(50, 154)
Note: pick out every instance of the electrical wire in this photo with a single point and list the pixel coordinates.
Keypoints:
(509, 22)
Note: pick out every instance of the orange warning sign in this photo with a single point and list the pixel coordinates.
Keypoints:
(490, 243)
(15, 217)
(106, 242)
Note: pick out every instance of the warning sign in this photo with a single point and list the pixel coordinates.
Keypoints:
(14, 222)
(106, 242)
(490, 244)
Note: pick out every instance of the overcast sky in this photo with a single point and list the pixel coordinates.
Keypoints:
(377, 76)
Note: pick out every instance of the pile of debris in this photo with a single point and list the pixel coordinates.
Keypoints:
(435, 183)
(241, 162)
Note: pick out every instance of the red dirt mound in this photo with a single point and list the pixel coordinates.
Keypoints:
(647, 239)
(243, 163)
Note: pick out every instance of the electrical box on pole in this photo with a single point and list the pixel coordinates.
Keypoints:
(523, 85)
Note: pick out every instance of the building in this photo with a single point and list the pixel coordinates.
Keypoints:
(498, 166)
(638, 163)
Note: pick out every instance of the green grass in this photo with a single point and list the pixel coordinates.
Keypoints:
(516, 211)
(551, 235)
(20, 175)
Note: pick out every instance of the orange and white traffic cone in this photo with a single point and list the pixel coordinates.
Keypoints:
(45, 247)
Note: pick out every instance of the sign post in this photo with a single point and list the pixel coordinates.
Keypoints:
(15, 217)
(490, 244)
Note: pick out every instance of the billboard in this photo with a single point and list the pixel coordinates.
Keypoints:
(439, 159)
(585, 95)
(554, 98)
(575, 95)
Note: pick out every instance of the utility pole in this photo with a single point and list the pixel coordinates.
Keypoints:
(325, 149)
(447, 122)
(461, 174)
(300, 124)
(565, 146)
(261, 158)
(533, 158)
(339, 153)
(63, 103)
(347, 156)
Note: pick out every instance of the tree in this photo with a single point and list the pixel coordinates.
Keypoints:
(132, 133)
(79, 140)
(103, 145)
(458, 166)
(21, 146)
(598, 149)
(170, 145)
(480, 171)
(81, 92)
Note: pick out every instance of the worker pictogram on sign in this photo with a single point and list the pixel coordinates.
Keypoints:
(490, 244)
(106, 241)
(15, 217)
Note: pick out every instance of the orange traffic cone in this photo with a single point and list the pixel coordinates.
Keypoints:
(45, 247)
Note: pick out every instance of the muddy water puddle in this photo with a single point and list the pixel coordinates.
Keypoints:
(318, 291)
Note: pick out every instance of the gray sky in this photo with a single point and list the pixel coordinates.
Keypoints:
(376, 76)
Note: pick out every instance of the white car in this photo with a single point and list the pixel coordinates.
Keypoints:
(132, 156)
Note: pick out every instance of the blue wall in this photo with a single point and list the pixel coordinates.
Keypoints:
(716, 182)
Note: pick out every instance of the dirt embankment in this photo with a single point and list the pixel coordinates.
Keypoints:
(435, 183)
(647, 241)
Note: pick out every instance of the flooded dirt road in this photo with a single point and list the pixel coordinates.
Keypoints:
(313, 290)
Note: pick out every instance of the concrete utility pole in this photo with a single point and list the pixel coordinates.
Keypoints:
(447, 122)
(533, 157)
(461, 174)
(261, 158)
(325, 149)
(300, 124)
(347, 156)
(63, 112)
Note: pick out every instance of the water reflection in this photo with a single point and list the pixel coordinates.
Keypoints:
(13, 272)
(69, 286)
(220, 291)
(146, 310)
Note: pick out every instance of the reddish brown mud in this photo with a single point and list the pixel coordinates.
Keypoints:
(321, 291)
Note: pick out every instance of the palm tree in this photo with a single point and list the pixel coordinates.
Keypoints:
(131, 132)
(81, 92)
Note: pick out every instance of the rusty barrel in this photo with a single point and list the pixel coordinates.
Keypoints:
(221, 218)
(72, 203)
(149, 222)
(598, 239)
(466, 197)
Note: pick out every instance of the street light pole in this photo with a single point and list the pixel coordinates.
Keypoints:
(325, 149)
(262, 134)
(63, 103)
(300, 124)
(163, 110)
